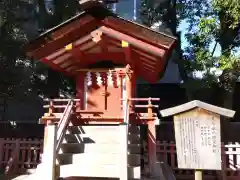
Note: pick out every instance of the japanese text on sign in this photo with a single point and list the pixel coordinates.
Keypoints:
(198, 140)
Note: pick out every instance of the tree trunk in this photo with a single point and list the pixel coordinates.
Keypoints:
(228, 83)
(228, 78)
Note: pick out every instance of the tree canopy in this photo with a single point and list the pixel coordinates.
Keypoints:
(21, 21)
(211, 23)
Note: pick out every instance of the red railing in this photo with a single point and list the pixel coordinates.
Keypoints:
(17, 155)
(58, 105)
(166, 152)
(63, 124)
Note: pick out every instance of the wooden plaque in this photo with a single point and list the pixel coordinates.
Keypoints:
(198, 141)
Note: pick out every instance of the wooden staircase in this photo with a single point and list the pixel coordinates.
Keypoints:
(92, 151)
(99, 151)
(96, 151)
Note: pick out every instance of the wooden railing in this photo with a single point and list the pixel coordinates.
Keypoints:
(149, 118)
(54, 135)
(18, 155)
(63, 124)
(28, 155)
(166, 152)
(59, 105)
(138, 102)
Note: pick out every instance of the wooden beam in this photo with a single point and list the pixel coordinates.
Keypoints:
(56, 67)
(144, 54)
(134, 42)
(152, 152)
(160, 65)
(127, 52)
(148, 61)
(67, 64)
(88, 46)
(146, 65)
(112, 41)
(149, 76)
(148, 68)
(59, 55)
(71, 55)
(72, 69)
(56, 32)
(52, 46)
(77, 55)
(103, 44)
(141, 32)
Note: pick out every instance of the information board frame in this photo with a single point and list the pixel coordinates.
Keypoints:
(204, 114)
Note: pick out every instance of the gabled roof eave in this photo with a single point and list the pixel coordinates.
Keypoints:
(197, 104)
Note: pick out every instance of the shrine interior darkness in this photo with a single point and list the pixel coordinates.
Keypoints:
(106, 64)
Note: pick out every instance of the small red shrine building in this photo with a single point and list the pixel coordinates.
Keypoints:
(80, 45)
(105, 54)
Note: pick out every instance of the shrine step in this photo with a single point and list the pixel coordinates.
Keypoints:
(98, 159)
(91, 170)
(100, 148)
(103, 129)
(100, 138)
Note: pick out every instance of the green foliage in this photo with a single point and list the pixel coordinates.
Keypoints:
(12, 36)
(230, 9)
(153, 12)
(219, 28)
(45, 80)
(211, 23)
(20, 76)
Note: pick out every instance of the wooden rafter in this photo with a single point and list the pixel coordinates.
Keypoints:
(140, 32)
(62, 40)
(104, 44)
(56, 67)
(137, 43)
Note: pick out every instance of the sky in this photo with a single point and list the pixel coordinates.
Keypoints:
(128, 9)
(183, 28)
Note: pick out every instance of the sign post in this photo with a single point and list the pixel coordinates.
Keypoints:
(198, 174)
(197, 134)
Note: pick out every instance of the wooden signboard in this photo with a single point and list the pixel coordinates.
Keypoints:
(197, 135)
(198, 141)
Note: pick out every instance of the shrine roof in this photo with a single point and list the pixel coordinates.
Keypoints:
(97, 34)
(197, 104)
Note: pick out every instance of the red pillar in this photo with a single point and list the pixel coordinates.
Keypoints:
(80, 90)
(152, 151)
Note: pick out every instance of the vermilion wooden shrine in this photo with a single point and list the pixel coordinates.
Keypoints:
(97, 35)
(105, 54)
